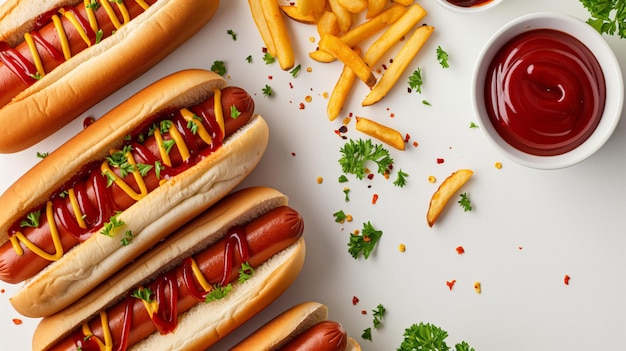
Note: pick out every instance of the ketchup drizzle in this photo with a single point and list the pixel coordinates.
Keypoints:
(17, 63)
(235, 237)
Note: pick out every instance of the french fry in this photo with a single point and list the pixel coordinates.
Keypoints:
(381, 132)
(394, 33)
(334, 46)
(261, 24)
(344, 18)
(446, 190)
(402, 60)
(363, 31)
(294, 13)
(404, 2)
(279, 33)
(354, 6)
(327, 24)
(310, 7)
(375, 7)
(341, 90)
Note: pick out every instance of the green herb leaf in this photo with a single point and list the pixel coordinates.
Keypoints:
(128, 238)
(144, 294)
(245, 272)
(249, 59)
(294, 72)
(463, 346)
(267, 90)
(219, 67)
(426, 337)
(364, 243)
(367, 334)
(340, 216)
(234, 112)
(415, 80)
(218, 292)
(268, 58)
(442, 57)
(379, 314)
(355, 155)
(232, 34)
(465, 202)
(42, 154)
(32, 220)
(607, 16)
(113, 223)
(401, 179)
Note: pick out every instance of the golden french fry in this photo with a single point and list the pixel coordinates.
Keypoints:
(261, 24)
(363, 31)
(404, 2)
(446, 190)
(381, 132)
(280, 35)
(407, 52)
(344, 17)
(394, 33)
(341, 90)
(310, 7)
(292, 12)
(375, 7)
(334, 46)
(353, 6)
(327, 24)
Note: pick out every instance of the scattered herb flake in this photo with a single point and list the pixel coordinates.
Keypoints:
(442, 57)
(415, 80)
(355, 154)
(364, 243)
(267, 90)
(268, 58)
(294, 72)
(465, 202)
(401, 179)
(219, 67)
(232, 34)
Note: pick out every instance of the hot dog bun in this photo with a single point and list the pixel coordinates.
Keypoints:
(96, 72)
(285, 327)
(205, 323)
(150, 219)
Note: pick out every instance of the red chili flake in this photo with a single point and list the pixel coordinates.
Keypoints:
(440, 160)
(264, 50)
(374, 199)
(392, 115)
(566, 279)
(363, 312)
(384, 66)
(291, 85)
(370, 176)
(415, 144)
(293, 154)
(17, 321)
(520, 248)
(355, 300)
(460, 250)
(350, 114)
(302, 105)
(451, 283)
(407, 137)
(2, 291)
(343, 129)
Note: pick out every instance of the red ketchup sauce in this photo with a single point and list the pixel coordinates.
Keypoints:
(469, 3)
(545, 92)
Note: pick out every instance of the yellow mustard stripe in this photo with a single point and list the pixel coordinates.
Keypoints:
(28, 38)
(91, 15)
(77, 212)
(190, 117)
(151, 307)
(54, 233)
(74, 21)
(106, 330)
(180, 143)
(143, 4)
(112, 16)
(199, 277)
(143, 190)
(123, 10)
(65, 45)
(219, 113)
(165, 157)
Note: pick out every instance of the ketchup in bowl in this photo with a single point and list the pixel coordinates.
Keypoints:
(468, 3)
(544, 92)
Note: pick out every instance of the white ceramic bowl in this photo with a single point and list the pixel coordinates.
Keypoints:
(474, 9)
(608, 63)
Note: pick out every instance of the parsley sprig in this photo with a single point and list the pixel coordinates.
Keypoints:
(415, 80)
(355, 155)
(465, 202)
(428, 337)
(442, 57)
(607, 16)
(32, 220)
(364, 243)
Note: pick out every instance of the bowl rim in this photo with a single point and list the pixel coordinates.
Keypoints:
(461, 9)
(606, 58)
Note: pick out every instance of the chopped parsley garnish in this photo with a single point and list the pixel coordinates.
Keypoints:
(268, 58)
(473, 125)
(168, 145)
(401, 179)
(245, 272)
(367, 334)
(428, 337)
(442, 57)
(158, 167)
(219, 67)
(144, 169)
(42, 154)
(94, 5)
(364, 243)
(118, 159)
(607, 16)
(426, 102)
(415, 80)
(346, 192)
(232, 34)
(294, 72)
(343, 179)
(36, 76)
(267, 90)
(144, 294)
(128, 237)
(465, 202)
(99, 35)
(379, 314)
(249, 59)
(32, 220)
(340, 216)
(218, 292)
(192, 125)
(113, 223)
(234, 112)
(355, 155)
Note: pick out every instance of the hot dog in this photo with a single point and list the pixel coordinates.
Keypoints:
(60, 57)
(129, 179)
(303, 327)
(251, 233)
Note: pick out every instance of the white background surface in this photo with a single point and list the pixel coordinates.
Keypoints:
(529, 228)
